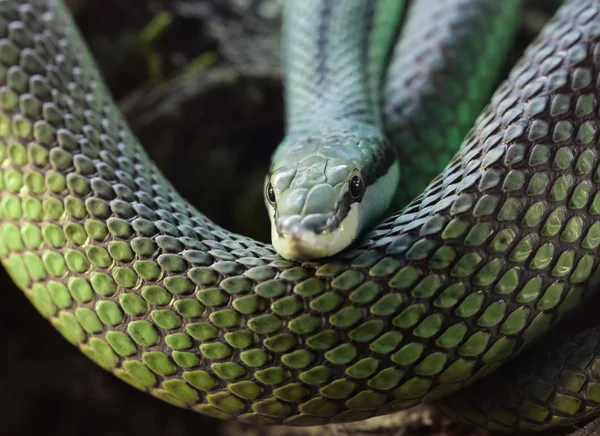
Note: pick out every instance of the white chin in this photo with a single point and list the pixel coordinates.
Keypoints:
(308, 245)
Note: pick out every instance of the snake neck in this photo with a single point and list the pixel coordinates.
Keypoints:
(335, 55)
(335, 172)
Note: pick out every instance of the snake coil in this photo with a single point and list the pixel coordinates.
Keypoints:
(493, 253)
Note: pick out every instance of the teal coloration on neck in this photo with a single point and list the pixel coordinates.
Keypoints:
(333, 68)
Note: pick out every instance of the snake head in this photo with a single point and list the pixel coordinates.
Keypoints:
(329, 188)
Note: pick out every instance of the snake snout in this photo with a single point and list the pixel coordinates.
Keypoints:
(297, 226)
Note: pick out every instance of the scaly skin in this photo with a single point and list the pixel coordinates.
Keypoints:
(334, 62)
(497, 249)
(440, 78)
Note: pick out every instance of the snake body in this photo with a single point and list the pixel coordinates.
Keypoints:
(493, 253)
(335, 173)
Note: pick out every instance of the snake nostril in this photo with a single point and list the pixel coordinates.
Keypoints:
(315, 223)
(286, 224)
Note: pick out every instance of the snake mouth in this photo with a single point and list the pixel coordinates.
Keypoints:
(315, 236)
(295, 226)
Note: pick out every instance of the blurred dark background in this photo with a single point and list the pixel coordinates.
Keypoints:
(199, 83)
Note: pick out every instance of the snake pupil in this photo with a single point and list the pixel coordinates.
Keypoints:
(270, 193)
(357, 187)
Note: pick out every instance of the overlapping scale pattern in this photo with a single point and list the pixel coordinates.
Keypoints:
(559, 383)
(495, 251)
(439, 79)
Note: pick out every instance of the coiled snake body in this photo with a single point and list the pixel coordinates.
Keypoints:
(487, 259)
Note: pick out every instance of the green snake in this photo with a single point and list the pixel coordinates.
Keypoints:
(485, 259)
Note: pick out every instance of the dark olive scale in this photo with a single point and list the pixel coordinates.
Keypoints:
(494, 252)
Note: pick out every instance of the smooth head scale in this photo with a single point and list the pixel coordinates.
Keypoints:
(331, 186)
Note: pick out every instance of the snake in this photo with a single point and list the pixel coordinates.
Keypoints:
(354, 311)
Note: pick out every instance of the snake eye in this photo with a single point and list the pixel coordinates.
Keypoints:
(357, 188)
(270, 194)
